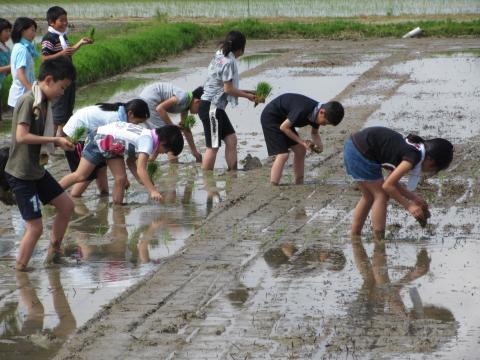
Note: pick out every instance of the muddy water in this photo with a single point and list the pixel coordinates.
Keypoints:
(271, 274)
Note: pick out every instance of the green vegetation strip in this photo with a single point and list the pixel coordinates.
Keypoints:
(113, 54)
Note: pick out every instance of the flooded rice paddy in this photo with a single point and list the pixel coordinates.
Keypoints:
(262, 8)
(230, 268)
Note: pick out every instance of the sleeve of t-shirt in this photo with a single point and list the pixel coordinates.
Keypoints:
(145, 144)
(228, 71)
(20, 58)
(182, 98)
(24, 110)
(47, 46)
(295, 115)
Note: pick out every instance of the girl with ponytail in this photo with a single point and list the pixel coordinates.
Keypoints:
(371, 149)
(222, 87)
(90, 118)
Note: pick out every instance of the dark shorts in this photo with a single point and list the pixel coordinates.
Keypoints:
(62, 107)
(218, 127)
(29, 193)
(73, 158)
(358, 166)
(276, 140)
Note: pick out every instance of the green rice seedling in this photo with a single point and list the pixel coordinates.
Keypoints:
(92, 34)
(78, 134)
(189, 122)
(152, 168)
(262, 91)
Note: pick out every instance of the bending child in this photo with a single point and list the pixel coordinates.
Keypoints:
(222, 87)
(280, 118)
(111, 142)
(165, 98)
(371, 149)
(90, 118)
(32, 133)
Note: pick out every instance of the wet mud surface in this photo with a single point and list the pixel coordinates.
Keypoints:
(231, 268)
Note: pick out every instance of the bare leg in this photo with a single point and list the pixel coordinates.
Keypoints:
(209, 158)
(277, 168)
(361, 210)
(102, 180)
(299, 153)
(117, 167)
(231, 151)
(84, 169)
(33, 231)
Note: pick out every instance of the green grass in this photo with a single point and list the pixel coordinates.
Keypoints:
(122, 48)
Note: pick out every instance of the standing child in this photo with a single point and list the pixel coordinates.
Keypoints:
(54, 44)
(23, 58)
(164, 98)
(279, 120)
(90, 118)
(370, 149)
(222, 87)
(5, 30)
(32, 130)
(110, 142)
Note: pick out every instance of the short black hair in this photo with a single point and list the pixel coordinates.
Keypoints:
(170, 136)
(59, 68)
(54, 13)
(20, 24)
(198, 92)
(5, 24)
(334, 112)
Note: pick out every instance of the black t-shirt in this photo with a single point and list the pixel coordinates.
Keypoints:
(386, 146)
(294, 107)
(51, 43)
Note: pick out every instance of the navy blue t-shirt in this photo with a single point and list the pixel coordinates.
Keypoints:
(385, 146)
(299, 109)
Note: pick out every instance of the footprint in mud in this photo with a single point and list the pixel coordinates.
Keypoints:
(307, 260)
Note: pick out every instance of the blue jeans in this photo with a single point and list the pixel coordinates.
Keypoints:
(358, 166)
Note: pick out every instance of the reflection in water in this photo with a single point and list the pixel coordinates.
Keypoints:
(22, 328)
(379, 321)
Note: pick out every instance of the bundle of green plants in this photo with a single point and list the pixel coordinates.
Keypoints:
(314, 148)
(152, 168)
(92, 34)
(262, 91)
(78, 134)
(189, 122)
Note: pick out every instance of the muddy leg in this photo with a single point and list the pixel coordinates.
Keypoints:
(299, 153)
(361, 210)
(277, 168)
(209, 158)
(231, 151)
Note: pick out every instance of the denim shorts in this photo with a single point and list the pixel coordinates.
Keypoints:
(358, 166)
(91, 152)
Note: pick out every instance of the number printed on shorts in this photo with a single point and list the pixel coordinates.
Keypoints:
(35, 203)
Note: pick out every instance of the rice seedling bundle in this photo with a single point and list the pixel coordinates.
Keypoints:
(152, 168)
(188, 122)
(262, 91)
(78, 134)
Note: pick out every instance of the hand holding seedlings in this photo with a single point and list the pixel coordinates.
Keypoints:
(426, 215)
(314, 148)
(188, 123)
(78, 134)
(262, 91)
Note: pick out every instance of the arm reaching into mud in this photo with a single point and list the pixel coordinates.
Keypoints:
(286, 127)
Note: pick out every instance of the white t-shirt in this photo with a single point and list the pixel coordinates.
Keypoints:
(133, 137)
(90, 117)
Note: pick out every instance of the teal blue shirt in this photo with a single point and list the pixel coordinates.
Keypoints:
(4, 61)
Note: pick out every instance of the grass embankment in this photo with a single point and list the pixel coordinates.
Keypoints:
(115, 53)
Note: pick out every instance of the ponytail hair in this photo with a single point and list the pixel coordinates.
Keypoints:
(234, 41)
(438, 149)
(170, 136)
(138, 107)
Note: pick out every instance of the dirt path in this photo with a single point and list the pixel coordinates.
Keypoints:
(272, 273)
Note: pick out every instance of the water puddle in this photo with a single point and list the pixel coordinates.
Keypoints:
(433, 101)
